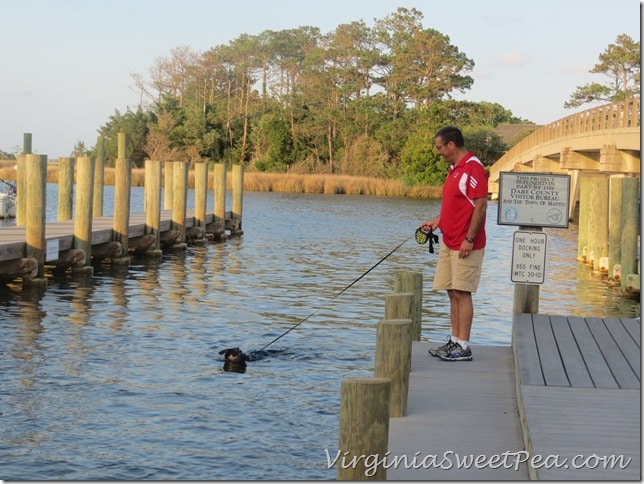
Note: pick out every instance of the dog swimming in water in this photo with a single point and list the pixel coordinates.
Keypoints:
(235, 360)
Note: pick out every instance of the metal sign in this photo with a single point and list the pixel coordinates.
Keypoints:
(534, 199)
(529, 257)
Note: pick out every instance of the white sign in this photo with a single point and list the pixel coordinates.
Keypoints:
(52, 250)
(529, 257)
(534, 199)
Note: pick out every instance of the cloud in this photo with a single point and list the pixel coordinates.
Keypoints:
(511, 59)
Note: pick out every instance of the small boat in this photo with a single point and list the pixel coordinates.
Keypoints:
(8, 193)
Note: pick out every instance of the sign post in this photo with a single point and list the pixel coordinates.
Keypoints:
(531, 201)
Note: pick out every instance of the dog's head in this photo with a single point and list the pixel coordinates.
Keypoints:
(234, 355)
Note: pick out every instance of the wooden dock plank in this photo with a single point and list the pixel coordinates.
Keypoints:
(569, 422)
(581, 420)
(571, 357)
(626, 344)
(526, 347)
(549, 357)
(618, 365)
(485, 423)
(593, 358)
(634, 328)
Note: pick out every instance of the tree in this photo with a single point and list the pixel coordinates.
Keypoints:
(135, 126)
(273, 144)
(79, 149)
(620, 62)
(419, 66)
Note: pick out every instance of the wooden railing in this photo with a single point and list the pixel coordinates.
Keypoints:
(621, 114)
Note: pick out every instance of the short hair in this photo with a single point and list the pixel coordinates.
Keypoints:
(451, 133)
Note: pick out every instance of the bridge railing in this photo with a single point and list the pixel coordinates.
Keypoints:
(621, 114)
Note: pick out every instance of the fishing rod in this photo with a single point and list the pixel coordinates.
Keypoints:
(338, 294)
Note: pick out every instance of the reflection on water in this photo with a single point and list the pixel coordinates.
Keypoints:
(118, 376)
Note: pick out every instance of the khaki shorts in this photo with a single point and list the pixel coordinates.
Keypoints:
(454, 273)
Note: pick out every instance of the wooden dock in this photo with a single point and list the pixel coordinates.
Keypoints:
(565, 397)
(578, 388)
(13, 239)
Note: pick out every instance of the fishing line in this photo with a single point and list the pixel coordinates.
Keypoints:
(338, 294)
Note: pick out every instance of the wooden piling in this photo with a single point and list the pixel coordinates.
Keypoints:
(364, 429)
(21, 180)
(201, 194)
(219, 209)
(122, 189)
(168, 181)
(179, 202)
(584, 216)
(399, 305)
(615, 228)
(36, 186)
(393, 360)
(99, 178)
(598, 223)
(21, 189)
(84, 208)
(65, 188)
(238, 197)
(121, 147)
(630, 230)
(412, 282)
(152, 195)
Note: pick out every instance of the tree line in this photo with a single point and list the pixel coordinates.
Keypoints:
(359, 100)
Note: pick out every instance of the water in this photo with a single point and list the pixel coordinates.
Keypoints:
(118, 376)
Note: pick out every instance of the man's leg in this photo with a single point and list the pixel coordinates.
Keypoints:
(454, 310)
(464, 311)
(461, 312)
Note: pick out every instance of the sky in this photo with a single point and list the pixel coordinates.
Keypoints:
(66, 65)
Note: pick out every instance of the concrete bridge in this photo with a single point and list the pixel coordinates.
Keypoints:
(603, 139)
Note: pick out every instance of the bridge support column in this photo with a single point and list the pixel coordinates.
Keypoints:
(621, 161)
(543, 164)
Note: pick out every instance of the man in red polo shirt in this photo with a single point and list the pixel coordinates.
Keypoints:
(462, 223)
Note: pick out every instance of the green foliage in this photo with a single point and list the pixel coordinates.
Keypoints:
(135, 126)
(420, 162)
(273, 143)
(358, 100)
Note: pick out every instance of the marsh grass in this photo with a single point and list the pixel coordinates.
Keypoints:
(277, 182)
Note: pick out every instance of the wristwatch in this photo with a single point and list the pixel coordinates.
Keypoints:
(470, 239)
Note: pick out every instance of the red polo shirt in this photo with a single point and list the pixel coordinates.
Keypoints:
(465, 181)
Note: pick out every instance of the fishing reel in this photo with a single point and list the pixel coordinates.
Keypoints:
(422, 237)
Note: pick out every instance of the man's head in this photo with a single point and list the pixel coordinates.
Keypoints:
(449, 143)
